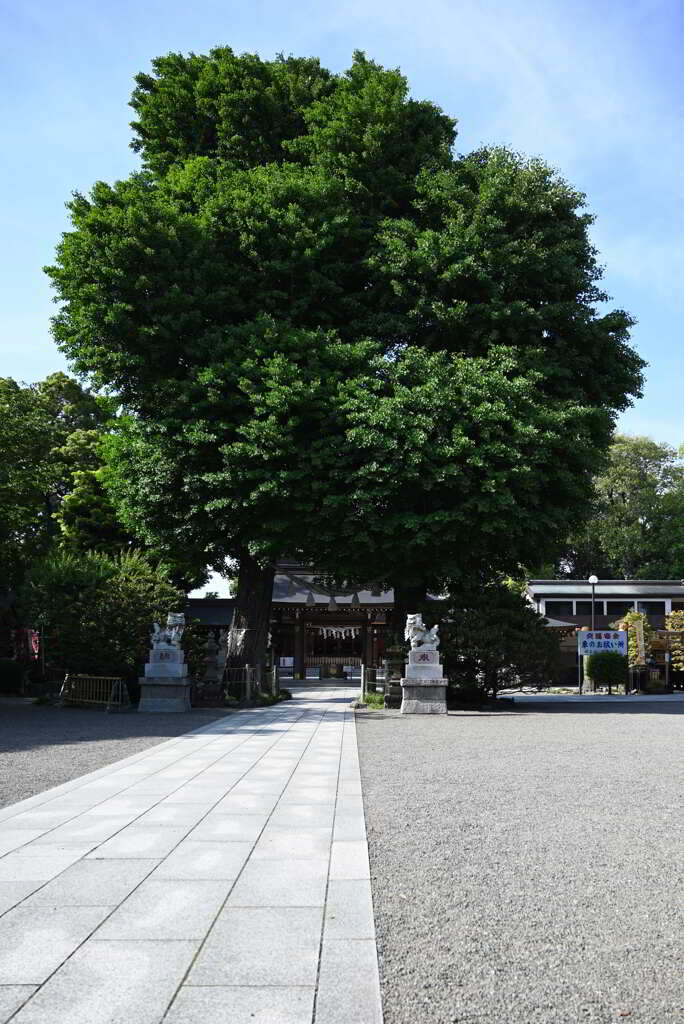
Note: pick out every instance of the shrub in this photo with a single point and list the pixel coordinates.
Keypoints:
(97, 609)
(491, 638)
(607, 668)
(11, 675)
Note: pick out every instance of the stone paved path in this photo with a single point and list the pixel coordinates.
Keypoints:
(218, 877)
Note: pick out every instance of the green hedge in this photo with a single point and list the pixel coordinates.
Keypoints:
(607, 668)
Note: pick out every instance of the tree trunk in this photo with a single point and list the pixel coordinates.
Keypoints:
(252, 611)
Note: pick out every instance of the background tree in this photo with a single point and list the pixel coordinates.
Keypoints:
(45, 436)
(635, 529)
(337, 340)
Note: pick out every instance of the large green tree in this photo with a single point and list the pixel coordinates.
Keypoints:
(336, 339)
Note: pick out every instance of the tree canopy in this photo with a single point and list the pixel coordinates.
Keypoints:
(636, 526)
(336, 339)
(46, 434)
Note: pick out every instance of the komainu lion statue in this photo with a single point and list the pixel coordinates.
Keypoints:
(172, 633)
(419, 636)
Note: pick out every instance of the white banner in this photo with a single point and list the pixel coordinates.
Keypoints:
(598, 640)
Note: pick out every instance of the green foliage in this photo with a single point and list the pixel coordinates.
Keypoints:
(492, 638)
(636, 528)
(87, 518)
(334, 338)
(11, 675)
(608, 668)
(194, 648)
(675, 621)
(45, 435)
(264, 699)
(96, 611)
(373, 701)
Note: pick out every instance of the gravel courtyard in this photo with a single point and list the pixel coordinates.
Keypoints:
(527, 865)
(43, 746)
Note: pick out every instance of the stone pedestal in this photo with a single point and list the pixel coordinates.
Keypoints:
(423, 687)
(166, 684)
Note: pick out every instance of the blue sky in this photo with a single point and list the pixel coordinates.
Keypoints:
(594, 88)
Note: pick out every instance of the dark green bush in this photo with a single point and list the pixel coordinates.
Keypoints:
(607, 668)
(11, 675)
(97, 609)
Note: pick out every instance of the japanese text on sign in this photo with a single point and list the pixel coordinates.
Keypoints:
(593, 641)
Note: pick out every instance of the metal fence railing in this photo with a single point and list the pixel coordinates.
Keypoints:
(109, 692)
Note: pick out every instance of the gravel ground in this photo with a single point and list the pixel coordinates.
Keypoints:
(527, 865)
(43, 746)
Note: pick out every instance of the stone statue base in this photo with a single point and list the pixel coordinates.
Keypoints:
(423, 687)
(164, 694)
(166, 684)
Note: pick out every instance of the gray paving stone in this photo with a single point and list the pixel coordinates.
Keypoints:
(217, 789)
(209, 794)
(253, 1005)
(303, 815)
(125, 805)
(349, 789)
(85, 828)
(229, 827)
(111, 983)
(40, 819)
(136, 842)
(348, 804)
(171, 815)
(153, 785)
(247, 803)
(12, 997)
(349, 910)
(22, 866)
(213, 861)
(293, 844)
(284, 883)
(93, 883)
(349, 826)
(349, 859)
(348, 984)
(261, 946)
(264, 772)
(167, 909)
(12, 893)
(308, 795)
(35, 940)
(13, 838)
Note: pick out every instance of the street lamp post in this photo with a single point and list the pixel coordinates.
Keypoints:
(593, 580)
